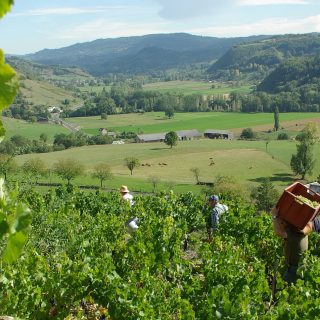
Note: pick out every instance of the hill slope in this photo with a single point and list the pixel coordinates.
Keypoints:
(138, 54)
(259, 58)
(293, 74)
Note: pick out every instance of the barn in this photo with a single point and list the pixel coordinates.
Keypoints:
(151, 137)
(188, 134)
(218, 134)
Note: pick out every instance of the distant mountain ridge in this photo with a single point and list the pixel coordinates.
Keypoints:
(139, 54)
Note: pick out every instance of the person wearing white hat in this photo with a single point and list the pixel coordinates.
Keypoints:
(132, 223)
(125, 194)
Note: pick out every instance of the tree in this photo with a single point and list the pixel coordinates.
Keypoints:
(283, 136)
(265, 195)
(247, 134)
(303, 161)
(7, 164)
(44, 137)
(196, 173)
(104, 116)
(68, 169)
(131, 163)
(102, 172)
(171, 139)
(34, 168)
(169, 112)
(276, 119)
(154, 181)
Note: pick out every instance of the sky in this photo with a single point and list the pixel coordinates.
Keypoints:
(35, 25)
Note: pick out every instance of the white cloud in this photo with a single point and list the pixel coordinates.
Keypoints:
(101, 28)
(270, 2)
(67, 11)
(270, 26)
(184, 9)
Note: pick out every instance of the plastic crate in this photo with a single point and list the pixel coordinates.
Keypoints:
(292, 210)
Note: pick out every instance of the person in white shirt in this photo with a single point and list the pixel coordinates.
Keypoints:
(132, 223)
(125, 194)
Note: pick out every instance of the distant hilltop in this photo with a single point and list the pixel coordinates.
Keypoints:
(139, 54)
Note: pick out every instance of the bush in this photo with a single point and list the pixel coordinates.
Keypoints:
(247, 134)
(283, 136)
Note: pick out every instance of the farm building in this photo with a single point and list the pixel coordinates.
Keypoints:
(188, 134)
(215, 134)
(151, 137)
(104, 132)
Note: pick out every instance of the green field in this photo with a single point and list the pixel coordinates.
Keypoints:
(246, 161)
(196, 87)
(153, 122)
(40, 92)
(31, 130)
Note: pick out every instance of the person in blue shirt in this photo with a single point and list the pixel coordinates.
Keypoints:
(217, 210)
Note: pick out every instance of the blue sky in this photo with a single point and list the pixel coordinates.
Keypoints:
(34, 25)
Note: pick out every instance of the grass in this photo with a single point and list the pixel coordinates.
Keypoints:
(246, 161)
(31, 130)
(195, 87)
(40, 92)
(153, 122)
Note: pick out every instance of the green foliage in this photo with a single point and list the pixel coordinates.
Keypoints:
(131, 163)
(5, 6)
(303, 161)
(247, 134)
(79, 253)
(34, 168)
(15, 218)
(265, 195)
(276, 119)
(171, 139)
(8, 83)
(282, 136)
(102, 172)
(68, 169)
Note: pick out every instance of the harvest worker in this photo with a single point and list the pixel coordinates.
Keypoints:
(125, 194)
(132, 223)
(295, 245)
(217, 210)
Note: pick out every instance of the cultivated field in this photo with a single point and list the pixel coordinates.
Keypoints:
(153, 122)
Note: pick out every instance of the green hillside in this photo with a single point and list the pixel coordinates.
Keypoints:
(294, 74)
(257, 59)
(139, 54)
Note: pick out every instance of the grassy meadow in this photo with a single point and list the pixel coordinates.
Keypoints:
(196, 87)
(31, 130)
(40, 92)
(246, 161)
(153, 122)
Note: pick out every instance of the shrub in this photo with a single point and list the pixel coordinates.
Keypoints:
(283, 136)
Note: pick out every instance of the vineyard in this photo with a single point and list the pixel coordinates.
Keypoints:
(80, 262)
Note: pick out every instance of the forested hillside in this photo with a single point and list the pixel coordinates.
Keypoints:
(140, 54)
(292, 75)
(256, 60)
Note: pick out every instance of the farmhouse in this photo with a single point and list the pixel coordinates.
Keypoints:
(215, 134)
(54, 110)
(188, 134)
(104, 132)
(151, 137)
